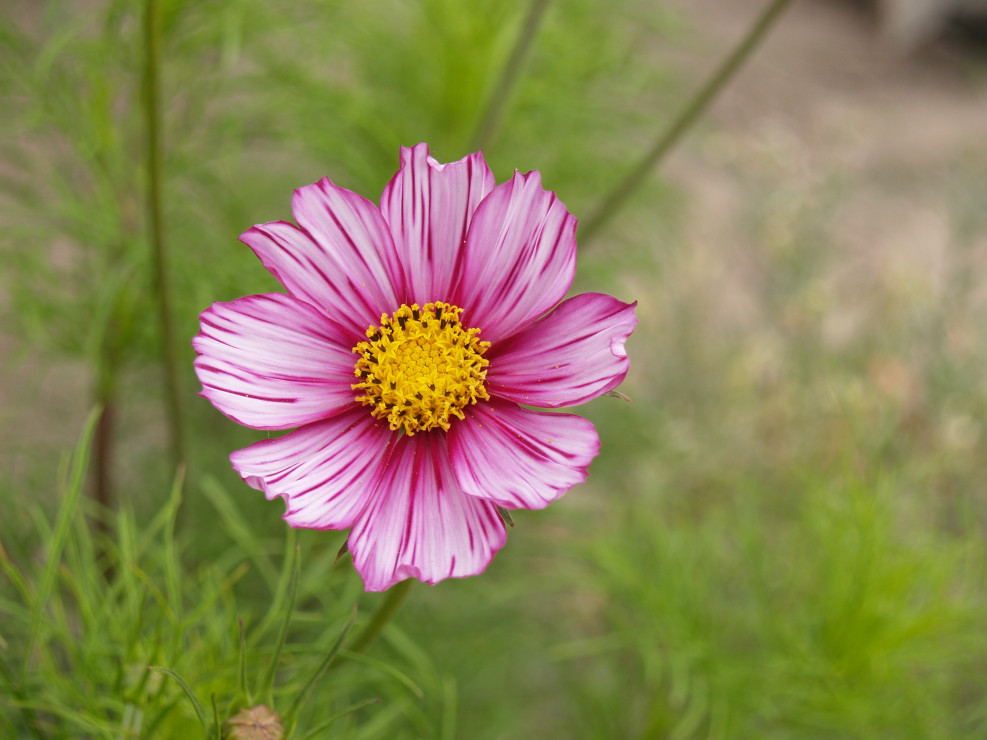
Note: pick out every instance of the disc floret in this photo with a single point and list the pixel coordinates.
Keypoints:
(420, 367)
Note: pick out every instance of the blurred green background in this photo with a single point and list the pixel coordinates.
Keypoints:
(783, 536)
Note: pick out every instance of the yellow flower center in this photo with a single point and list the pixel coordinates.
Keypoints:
(420, 367)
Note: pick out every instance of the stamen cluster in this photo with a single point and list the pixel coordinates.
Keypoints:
(420, 367)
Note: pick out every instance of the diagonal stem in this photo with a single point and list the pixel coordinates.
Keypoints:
(395, 597)
(663, 145)
(152, 113)
(508, 76)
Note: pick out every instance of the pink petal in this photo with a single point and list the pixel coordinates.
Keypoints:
(419, 524)
(273, 362)
(428, 207)
(520, 459)
(341, 260)
(571, 355)
(325, 471)
(520, 257)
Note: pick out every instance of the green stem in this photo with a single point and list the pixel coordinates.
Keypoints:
(619, 195)
(395, 597)
(152, 111)
(103, 459)
(103, 448)
(508, 76)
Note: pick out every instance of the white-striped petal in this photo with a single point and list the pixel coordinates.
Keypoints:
(520, 257)
(273, 362)
(325, 472)
(428, 207)
(419, 523)
(341, 259)
(520, 459)
(568, 357)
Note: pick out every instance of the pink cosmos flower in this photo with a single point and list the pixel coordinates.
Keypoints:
(408, 339)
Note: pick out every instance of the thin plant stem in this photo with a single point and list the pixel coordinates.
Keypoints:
(108, 364)
(667, 140)
(508, 76)
(104, 457)
(152, 110)
(103, 448)
(395, 597)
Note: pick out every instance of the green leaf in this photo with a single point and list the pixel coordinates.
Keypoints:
(173, 581)
(267, 687)
(196, 704)
(217, 727)
(303, 694)
(283, 584)
(70, 501)
(238, 528)
(450, 702)
(385, 668)
(318, 729)
(244, 690)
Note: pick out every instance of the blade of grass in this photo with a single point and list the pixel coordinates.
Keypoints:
(385, 668)
(20, 696)
(126, 573)
(70, 501)
(86, 725)
(151, 588)
(238, 528)
(450, 700)
(318, 729)
(242, 669)
(196, 704)
(302, 695)
(83, 566)
(173, 579)
(267, 686)
(15, 577)
(283, 584)
(132, 720)
(217, 727)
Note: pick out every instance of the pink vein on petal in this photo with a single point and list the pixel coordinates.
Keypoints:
(419, 524)
(325, 471)
(568, 357)
(428, 207)
(341, 260)
(519, 458)
(520, 257)
(273, 362)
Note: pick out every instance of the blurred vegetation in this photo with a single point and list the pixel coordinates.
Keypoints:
(783, 537)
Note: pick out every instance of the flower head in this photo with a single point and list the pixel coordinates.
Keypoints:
(408, 339)
(254, 723)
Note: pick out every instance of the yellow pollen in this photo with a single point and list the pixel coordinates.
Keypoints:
(420, 367)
